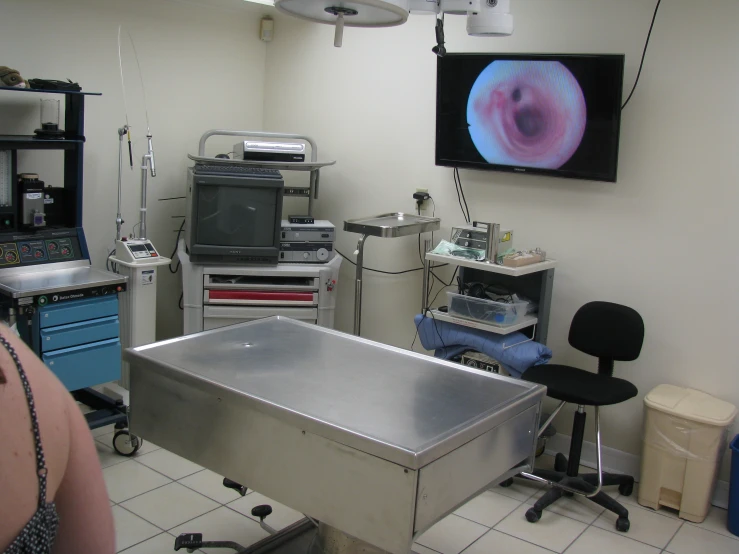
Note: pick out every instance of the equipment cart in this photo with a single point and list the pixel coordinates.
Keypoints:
(64, 309)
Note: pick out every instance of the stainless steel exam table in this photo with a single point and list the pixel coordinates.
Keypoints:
(375, 442)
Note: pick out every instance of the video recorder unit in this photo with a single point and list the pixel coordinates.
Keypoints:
(259, 151)
(318, 231)
(307, 242)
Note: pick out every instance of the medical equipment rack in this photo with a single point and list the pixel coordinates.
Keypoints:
(220, 295)
(535, 281)
(64, 309)
(314, 166)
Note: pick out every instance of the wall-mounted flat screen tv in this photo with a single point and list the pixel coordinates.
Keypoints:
(545, 114)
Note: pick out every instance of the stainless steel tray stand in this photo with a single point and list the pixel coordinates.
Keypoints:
(390, 225)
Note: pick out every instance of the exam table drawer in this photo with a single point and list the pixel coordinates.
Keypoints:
(256, 298)
(78, 310)
(83, 366)
(83, 332)
(220, 316)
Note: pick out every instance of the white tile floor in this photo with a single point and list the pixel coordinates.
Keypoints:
(156, 495)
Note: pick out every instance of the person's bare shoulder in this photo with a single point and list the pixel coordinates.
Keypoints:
(52, 403)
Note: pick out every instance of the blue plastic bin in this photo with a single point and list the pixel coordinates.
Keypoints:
(733, 523)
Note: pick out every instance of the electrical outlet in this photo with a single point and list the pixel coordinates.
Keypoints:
(422, 196)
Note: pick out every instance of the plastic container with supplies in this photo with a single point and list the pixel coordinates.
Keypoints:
(488, 311)
(685, 434)
(733, 522)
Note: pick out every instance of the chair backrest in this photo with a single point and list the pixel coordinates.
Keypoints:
(607, 331)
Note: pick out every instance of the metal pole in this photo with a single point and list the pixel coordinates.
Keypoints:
(493, 239)
(312, 191)
(599, 463)
(142, 210)
(147, 162)
(426, 271)
(119, 217)
(358, 286)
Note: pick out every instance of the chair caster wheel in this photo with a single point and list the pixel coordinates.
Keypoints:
(560, 462)
(623, 524)
(533, 515)
(625, 489)
(507, 483)
(126, 444)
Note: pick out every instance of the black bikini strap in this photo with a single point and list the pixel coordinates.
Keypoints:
(40, 460)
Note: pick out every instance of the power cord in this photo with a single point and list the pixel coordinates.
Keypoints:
(644, 53)
(174, 251)
(461, 196)
(379, 270)
(111, 266)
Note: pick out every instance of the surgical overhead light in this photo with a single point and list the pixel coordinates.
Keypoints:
(484, 17)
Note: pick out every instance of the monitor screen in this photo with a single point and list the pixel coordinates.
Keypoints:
(239, 216)
(553, 115)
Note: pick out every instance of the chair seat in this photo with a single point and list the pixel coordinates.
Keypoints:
(578, 386)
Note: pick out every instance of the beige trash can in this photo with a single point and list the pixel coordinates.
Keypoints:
(685, 434)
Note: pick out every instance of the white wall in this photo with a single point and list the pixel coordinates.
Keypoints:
(203, 68)
(663, 239)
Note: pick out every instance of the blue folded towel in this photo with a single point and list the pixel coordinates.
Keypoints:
(450, 340)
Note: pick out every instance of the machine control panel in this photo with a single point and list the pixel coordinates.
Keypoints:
(44, 249)
(33, 251)
(60, 249)
(136, 251)
(92, 292)
(9, 254)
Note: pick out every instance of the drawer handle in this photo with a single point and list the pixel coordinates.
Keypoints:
(48, 338)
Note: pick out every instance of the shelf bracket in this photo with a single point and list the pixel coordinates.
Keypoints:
(506, 347)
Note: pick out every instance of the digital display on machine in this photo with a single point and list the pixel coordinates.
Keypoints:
(137, 248)
(544, 114)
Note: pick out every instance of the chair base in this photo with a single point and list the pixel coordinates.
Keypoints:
(585, 482)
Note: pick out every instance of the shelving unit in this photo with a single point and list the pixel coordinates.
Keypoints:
(533, 281)
(72, 144)
(528, 321)
(493, 268)
(313, 165)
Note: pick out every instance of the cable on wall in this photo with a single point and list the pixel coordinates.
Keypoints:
(644, 53)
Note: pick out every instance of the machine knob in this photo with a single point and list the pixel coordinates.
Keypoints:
(306, 255)
(11, 257)
(322, 254)
(66, 251)
(25, 249)
(53, 246)
(38, 253)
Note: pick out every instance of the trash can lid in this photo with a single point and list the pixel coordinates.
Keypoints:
(691, 404)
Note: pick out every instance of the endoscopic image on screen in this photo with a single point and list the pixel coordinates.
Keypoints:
(526, 113)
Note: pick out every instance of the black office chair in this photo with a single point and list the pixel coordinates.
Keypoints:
(610, 332)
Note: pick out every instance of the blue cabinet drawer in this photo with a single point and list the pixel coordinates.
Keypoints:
(74, 334)
(78, 310)
(84, 366)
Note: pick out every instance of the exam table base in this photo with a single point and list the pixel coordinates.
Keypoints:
(303, 538)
